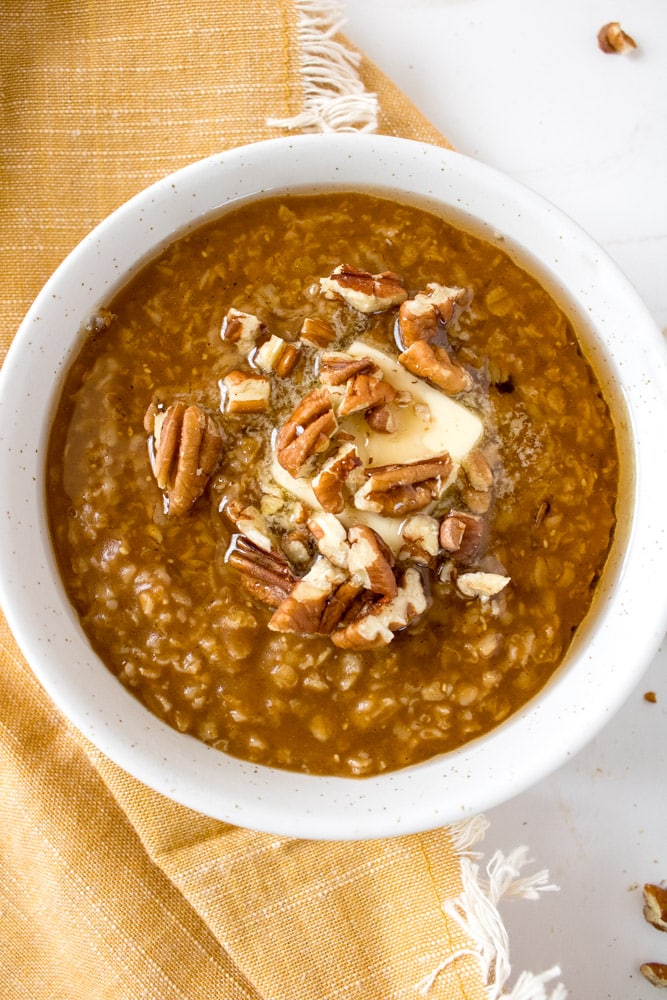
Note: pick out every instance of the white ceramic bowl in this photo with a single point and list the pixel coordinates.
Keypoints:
(612, 648)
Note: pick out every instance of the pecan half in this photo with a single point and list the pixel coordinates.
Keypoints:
(357, 381)
(378, 622)
(395, 490)
(266, 575)
(307, 433)
(365, 292)
(185, 446)
(433, 363)
(655, 905)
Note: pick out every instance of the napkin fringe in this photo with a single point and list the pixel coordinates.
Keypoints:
(476, 912)
(335, 99)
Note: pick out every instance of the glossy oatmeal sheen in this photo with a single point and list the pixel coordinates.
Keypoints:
(331, 484)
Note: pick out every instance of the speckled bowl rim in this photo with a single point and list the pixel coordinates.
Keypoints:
(611, 651)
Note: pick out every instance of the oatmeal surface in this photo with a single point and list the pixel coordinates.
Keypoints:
(493, 555)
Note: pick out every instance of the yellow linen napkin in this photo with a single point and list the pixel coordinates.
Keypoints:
(108, 890)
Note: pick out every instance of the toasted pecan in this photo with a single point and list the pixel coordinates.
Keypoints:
(264, 574)
(395, 490)
(186, 445)
(365, 292)
(306, 433)
(433, 363)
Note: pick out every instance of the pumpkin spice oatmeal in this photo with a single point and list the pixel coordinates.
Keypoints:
(331, 484)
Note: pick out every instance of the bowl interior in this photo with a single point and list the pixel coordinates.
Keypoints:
(611, 648)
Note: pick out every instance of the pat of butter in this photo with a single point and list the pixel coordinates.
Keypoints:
(430, 424)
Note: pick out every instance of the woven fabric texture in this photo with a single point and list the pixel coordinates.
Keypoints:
(109, 890)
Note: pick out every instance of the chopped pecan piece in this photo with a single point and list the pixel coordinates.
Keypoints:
(482, 585)
(317, 332)
(655, 905)
(417, 320)
(338, 605)
(395, 490)
(302, 610)
(461, 534)
(331, 538)
(277, 355)
(655, 972)
(378, 622)
(337, 368)
(296, 545)
(382, 419)
(244, 392)
(365, 392)
(358, 379)
(370, 561)
(612, 39)
(185, 446)
(265, 575)
(433, 363)
(444, 298)
(365, 292)
(479, 501)
(241, 328)
(420, 537)
(250, 522)
(329, 485)
(307, 433)
(477, 470)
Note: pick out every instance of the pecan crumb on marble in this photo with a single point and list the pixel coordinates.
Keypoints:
(612, 39)
(655, 905)
(655, 973)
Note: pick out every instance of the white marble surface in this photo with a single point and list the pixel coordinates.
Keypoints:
(524, 87)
